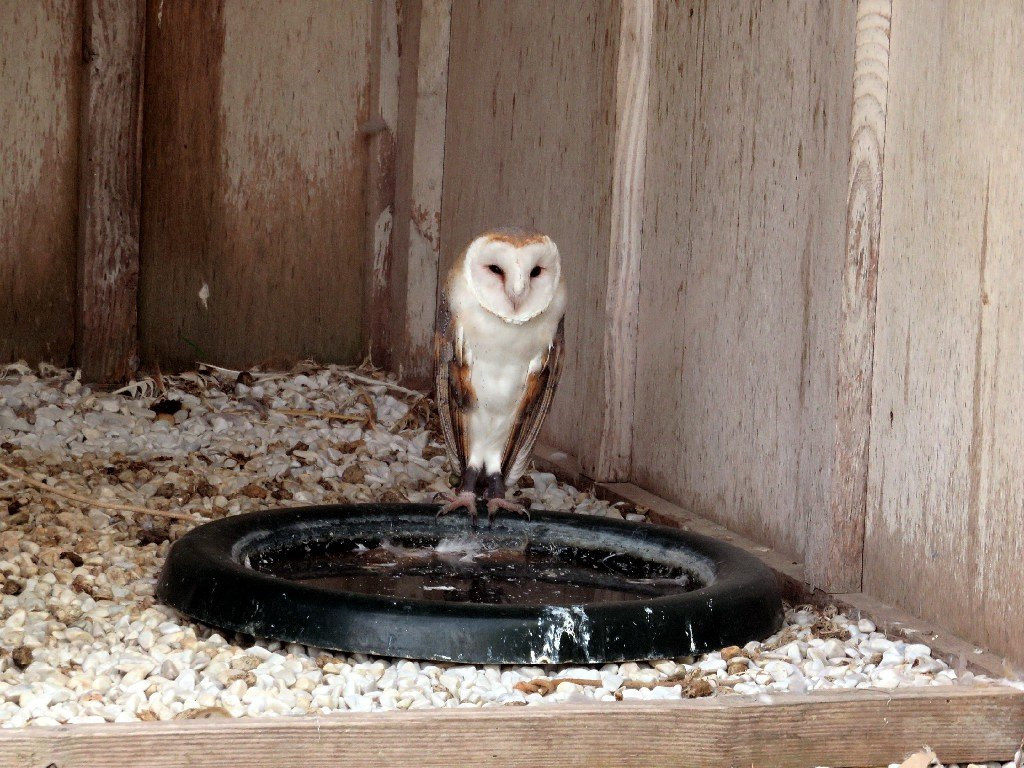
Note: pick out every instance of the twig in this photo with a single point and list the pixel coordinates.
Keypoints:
(327, 415)
(114, 506)
(351, 376)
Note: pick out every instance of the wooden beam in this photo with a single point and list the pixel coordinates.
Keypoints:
(380, 188)
(835, 544)
(839, 728)
(426, 31)
(110, 190)
(622, 305)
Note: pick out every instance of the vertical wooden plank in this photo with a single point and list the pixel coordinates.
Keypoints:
(622, 303)
(531, 142)
(426, 26)
(40, 60)
(835, 543)
(945, 526)
(254, 215)
(110, 189)
(743, 247)
(380, 187)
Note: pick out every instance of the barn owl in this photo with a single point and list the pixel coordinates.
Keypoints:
(497, 354)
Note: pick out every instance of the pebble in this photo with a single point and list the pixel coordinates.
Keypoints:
(87, 642)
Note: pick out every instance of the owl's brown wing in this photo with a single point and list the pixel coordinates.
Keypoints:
(534, 406)
(452, 385)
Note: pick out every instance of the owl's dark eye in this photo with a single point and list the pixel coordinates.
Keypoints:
(535, 271)
(496, 269)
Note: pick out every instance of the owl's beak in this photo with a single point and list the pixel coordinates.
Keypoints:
(516, 291)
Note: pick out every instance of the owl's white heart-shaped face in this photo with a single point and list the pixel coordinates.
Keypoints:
(514, 276)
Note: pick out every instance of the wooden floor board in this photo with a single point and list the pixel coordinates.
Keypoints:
(854, 728)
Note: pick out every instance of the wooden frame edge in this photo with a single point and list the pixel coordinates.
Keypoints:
(845, 728)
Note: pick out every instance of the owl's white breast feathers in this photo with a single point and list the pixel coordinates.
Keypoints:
(501, 356)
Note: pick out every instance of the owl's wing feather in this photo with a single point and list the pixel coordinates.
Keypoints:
(534, 406)
(453, 388)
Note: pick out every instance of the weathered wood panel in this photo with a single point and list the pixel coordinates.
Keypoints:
(835, 543)
(614, 452)
(254, 189)
(945, 527)
(382, 128)
(422, 113)
(837, 728)
(744, 237)
(110, 190)
(530, 141)
(40, 55)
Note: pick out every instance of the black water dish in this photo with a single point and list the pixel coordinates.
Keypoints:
(396, 580)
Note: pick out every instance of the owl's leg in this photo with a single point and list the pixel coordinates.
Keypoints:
(465, 497)
(495, 495)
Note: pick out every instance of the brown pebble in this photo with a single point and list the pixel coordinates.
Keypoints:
(736, 668)
(205, 489)
(246, 663)
(324, 659)
(247, 676)
(698, 688)
(79, 584)
(166, 491)
(254, 491)
(21, 656)
(74, 558)
(353, 474)
(12, 587)
(158, 534)
(732, 652)
(146, 715)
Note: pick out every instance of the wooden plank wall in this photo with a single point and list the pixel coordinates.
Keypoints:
(530, 141)
(110, 190)
(253, 226)
(40, 55)
(744, 234)
(422, 98)
(945, 526)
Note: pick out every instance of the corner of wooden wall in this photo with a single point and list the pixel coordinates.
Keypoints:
(611, 459)
(835, 544)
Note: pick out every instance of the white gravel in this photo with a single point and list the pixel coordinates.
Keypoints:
(83, 640)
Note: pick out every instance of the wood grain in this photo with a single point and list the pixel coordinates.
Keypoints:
(744, 240)
(255, 175)
(110, 190)
(835, 544)
(423, 94)
(381, 130)
(40, 56)
(531, 142)
(622, 302)
(945, 525)
(849, 728)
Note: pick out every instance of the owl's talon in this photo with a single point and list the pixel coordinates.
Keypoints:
(465, 500)
(493, 505)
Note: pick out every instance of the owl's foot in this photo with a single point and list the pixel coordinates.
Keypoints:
(463, 500)
(493, 505)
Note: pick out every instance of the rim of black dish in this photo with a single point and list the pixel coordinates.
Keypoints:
(205, 577)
